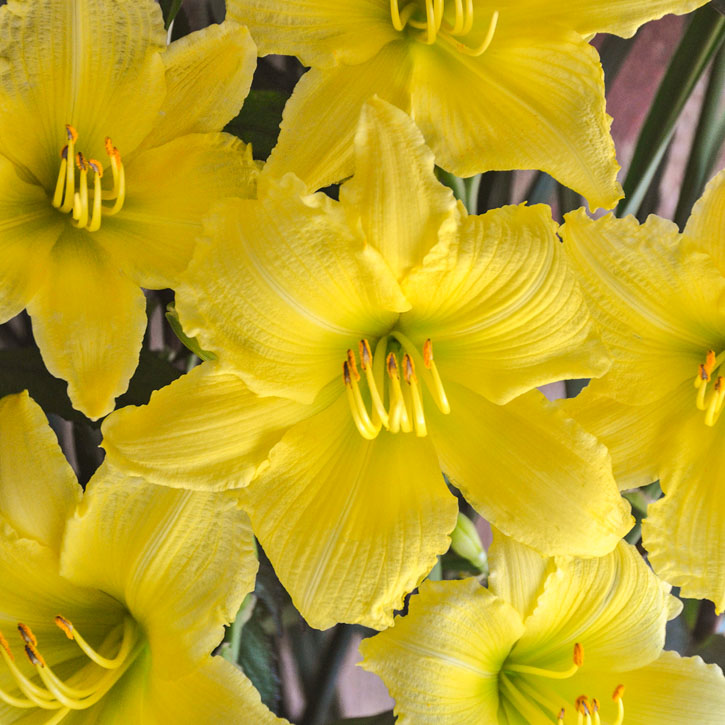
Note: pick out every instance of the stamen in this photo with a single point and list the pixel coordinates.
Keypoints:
(595, 711)
(578, 658)
(482, 47)
(399, 419)
(418, 414)
(357, 406)
(129, 636)
(70, 170)
(34, 656)
(60, 183)
(27, 635)
(80, 205)
(617, 697)
(119, 179)
(429, 370)
(560, 717)
(366, 363)
(95, 223)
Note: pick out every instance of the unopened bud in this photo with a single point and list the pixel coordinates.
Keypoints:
(466, 542)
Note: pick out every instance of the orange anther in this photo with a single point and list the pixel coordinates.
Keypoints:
(595, 704)
(582, 705)
(27, 635)
(428, 353)
(65, 625)
(366, 355)
(96, 166)
(71, 133)
(578, 655)
(81, 162)
(4, 644)
(108, 144)
(618, 692)
(392, 365)
(352, 366)
(346, 374)
(409, 370)
(34, 656)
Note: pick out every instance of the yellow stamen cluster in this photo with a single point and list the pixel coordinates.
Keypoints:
(713, 404)
(588, 710)
(71, 197)
(57, 695)
(436, 26)
(577, 660)
(404, 411)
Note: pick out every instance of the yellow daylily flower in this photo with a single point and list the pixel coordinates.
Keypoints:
(109, 156)
(112, 600)
(362, 346)
(561, 640)
(492, 85)
(659, 297)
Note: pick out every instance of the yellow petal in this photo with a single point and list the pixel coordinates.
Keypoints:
(541, 479)
(88, 321)
(218, 436)
(168, 555)
(285, 287)
(29, 226)
(319, 32)
(518, 573)
(441, 661)
(170, 189)
(657, 306)
(519, 106)
(208, 74)
(502, 306)
(94, 64)
(38, 489)
(330, 101)
(394, 192)
(705, 225)
(350, 525)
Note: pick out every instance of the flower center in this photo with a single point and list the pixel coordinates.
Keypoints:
(405, 402)
(50, 692)
(71, 193)
(426, 18)
(712, 404)
(588, 710)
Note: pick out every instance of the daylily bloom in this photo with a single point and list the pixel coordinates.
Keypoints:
(659, 297)
(492, 85)
(361, 346)
(109, 157)
(112, 600)
(562, 640)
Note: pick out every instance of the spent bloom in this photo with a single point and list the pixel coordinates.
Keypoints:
(362, 347)
(564, 640)
(109, 156)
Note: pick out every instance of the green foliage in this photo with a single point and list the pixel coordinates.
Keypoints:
(258, 121)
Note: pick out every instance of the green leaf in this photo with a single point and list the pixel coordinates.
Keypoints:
(384, 718)
(258, 121)
(170, 8)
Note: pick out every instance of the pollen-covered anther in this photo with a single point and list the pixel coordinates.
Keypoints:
(617, 696)
(65, 625)
(710, 398)
(34, 656)
(4, 644)
(27, 634)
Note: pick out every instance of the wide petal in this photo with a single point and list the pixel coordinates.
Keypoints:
(180, 561)
(88, 321)
(531, 472)
(707, 220)
(502, 306)
(205, 431)
(318, 32)
(326, 104)
(533, 100)
(95, 65)
(283, 289)
(170, 189)
(441, 662)
(29, 227)
(350, 525)
(659, 308)
(394, 192)
(208, 75)
(38, 489)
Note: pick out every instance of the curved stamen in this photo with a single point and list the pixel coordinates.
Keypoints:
(70, 170)
(712, 405)
(410, 377)
(578, 658)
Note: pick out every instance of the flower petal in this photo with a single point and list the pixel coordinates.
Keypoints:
(533, 100)
(502, 306)
(38, 489)
(205, 431)
(318, 32)
(705, 225)
(167, 555)
(441, 661)
(284, 289)
(95, 65)
(659, 308)
(350, 525)
(327, 105)
(170, 189)
(88, 321)
(542, 479)
(394, 192)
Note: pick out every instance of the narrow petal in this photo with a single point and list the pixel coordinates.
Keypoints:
(531, 101)
(170, 189)
(503, 307)
(327, 103)
(205, 431)
(350, 525)
(283, 289)
(541, 479)
(38, 489)
(318, 32)
(88, 321)
(87, 63)
(29, 226)
(705, 225)
(394, 192)
(208, 75)
(181, 561)
(659, 308)
(441, 661)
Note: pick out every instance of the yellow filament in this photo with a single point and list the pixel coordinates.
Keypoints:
(60, 183)
(617, 697)
(380, 415)
(95, 223)
(468, 23)
(551, 674)
(395, 15)
(37, 695)
(458, 23)
(428, 369)
(700, 400)
(70, 171)
(418, 414)
(399, 419)
(60, 715)
(480, 49)
(129, 637)
(80, 207)
(715, 404)
(357, 405)
(121, 192)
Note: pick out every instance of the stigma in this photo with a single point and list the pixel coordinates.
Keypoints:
(427, 20)
(392, 375)
(710, 401)
(588, 710)
(72, 192)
